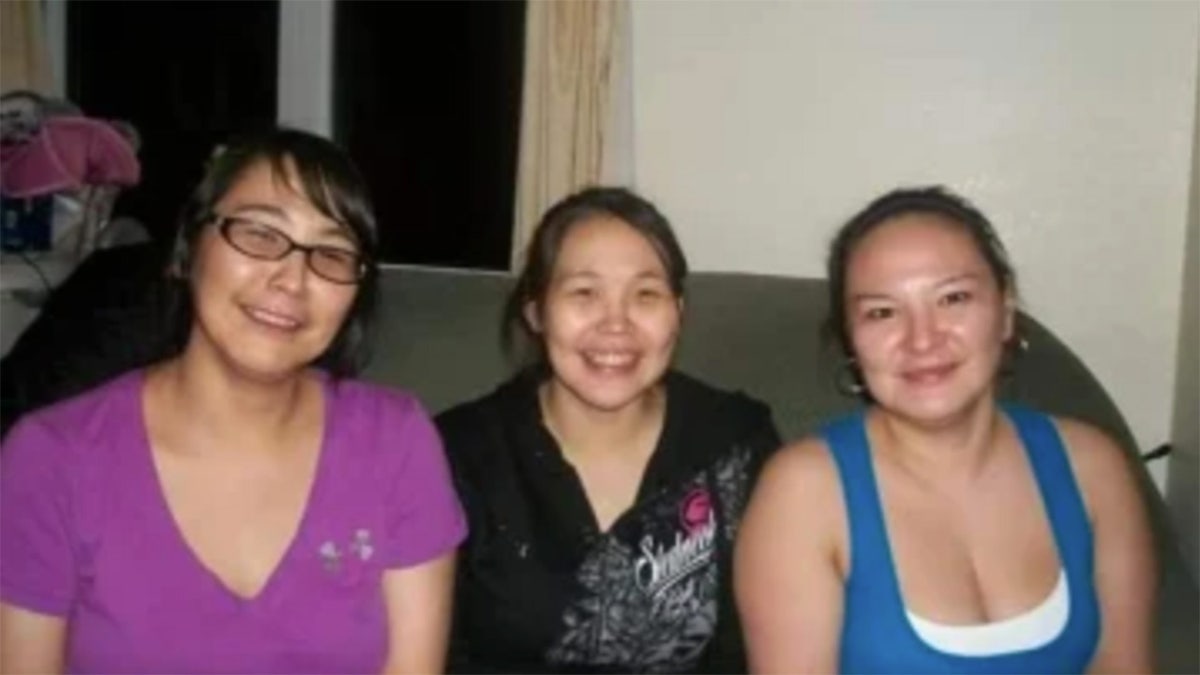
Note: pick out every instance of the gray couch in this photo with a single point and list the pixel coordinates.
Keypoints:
(439, 336)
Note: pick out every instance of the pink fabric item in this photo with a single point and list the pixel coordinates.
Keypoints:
(68, 153)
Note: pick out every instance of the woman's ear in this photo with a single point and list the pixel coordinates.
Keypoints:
(533, 316)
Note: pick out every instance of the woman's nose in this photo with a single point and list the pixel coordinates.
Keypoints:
(616, 314)
(923, 331)
(290, 271)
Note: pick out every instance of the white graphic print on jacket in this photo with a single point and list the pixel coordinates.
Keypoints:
(652, 607)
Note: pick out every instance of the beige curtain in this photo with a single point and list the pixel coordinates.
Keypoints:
(574, 112)
(24, 60)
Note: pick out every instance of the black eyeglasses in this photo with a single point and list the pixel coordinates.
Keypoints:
(263, 242)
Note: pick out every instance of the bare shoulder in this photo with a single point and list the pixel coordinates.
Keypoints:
(1090, 448)
(797, 511)
(803, 467)
(1103, 470)
(800, 483)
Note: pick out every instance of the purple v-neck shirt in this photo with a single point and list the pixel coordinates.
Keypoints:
(86, 534)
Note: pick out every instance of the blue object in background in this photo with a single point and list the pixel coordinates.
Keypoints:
(25, 224)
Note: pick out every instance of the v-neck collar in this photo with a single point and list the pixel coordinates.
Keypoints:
(539, 449)
(173, 534)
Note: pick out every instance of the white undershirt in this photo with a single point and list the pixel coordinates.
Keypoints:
(1022, 632)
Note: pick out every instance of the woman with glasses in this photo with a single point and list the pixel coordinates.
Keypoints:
(242, 506)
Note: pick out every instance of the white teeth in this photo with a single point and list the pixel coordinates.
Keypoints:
(610, 359)
(273, 319)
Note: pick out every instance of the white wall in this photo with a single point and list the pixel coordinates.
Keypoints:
(760, 126)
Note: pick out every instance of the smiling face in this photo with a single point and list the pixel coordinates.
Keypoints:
(266, 318)
(608, 319)
(926, 317)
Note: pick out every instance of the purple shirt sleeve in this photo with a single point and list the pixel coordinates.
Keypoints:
(37, 536)
(423, 518)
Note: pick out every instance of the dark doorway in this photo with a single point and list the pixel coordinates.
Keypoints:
(186, 74)
(427, 101)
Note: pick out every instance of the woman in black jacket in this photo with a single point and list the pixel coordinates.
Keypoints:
(603, 489)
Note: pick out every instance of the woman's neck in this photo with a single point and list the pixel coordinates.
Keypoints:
(957, 449)
(203, 400)
(582, 428)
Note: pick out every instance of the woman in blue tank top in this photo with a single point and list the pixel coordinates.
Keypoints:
(936, 529)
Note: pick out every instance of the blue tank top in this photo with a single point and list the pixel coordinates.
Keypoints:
(876, 634)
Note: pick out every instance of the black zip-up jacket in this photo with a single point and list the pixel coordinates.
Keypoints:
(540, 588)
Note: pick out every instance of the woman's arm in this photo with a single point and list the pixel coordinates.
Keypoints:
(789, 562)
(425, 527)
(30, 642)
(37, 544)
(1125, 567)
(418, 603)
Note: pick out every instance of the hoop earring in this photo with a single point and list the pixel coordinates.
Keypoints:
(1014, 350)
(848, 380)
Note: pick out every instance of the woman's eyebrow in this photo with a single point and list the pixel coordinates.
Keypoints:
(965, 276)
(864, 297)
(651, 275)
(568, 275)
(265, 209)
(334, 228)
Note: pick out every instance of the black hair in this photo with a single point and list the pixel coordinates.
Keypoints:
(541, 255)
(334, 186)
(934, 200)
